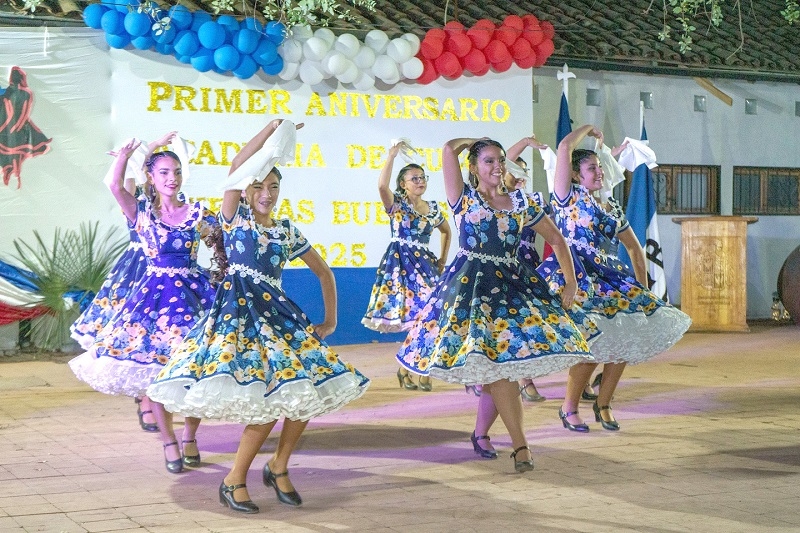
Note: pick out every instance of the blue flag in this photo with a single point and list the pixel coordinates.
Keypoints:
(641, 213)
(564, 126)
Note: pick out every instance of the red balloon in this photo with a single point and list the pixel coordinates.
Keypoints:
(482, 71)
(431, 48)
(437, 34)
(507, 35)
(533, 32)
(528, 61)
(447, 65)
(529, 19)
(428, 72)
(496, 52)
(545, 49)
(548, 29)
(520, 49)
(514, 21)
(481, 35)
(454, 27)
(459, 44)
(502, 66)
(475, 61)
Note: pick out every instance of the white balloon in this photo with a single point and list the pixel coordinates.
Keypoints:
(365, 58)
(311, 73)
(412, 69)
(350, 74)
(385, 68)
(348, 44)
(364, 82)
(392, 80)
(315, 48)
(335, 62)
(326, 35)
(289, 71)
(301, 33)
(377, 40)
(414, 41)
(399, 49)
(291, 50)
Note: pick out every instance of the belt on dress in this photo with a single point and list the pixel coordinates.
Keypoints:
(409, 242)
(579, 245)
(257, 276)
(496, 259)
(172, 271)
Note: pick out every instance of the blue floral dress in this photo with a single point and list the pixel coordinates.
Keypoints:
(636, 324)
(135, 344)
(408, 270)
(490, 317)
(255, 356)
(116, 288)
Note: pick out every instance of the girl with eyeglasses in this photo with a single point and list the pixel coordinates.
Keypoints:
(409, 269)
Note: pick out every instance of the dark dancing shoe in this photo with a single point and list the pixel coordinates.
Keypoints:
(226, 498)
(612, 425)
(588, 394)
(474, 389)
(176, 466)
(270, 480)
(191, 460)
(580, 428)
(522, 466)
(528, 397)
(598, 379)
(405, 381)
(146, 426)
(483, 452)
(426, 386)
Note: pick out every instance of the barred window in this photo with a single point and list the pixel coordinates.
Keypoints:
(686, 189)
(766, 191)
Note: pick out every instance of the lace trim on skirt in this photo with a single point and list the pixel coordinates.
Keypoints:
(112, 376)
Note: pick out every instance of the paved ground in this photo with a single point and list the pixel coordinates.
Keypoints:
(710, 442)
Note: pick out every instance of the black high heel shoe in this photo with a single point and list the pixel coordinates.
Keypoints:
(190, 460)
(588, 396)
(146, 426)
(483, 452)
(176, 466)
(226, 498)
(580, 428)
(474, 389)
(405, 381)
(598, 379)
(270, 480)
(528, 397)
(426, 386)
(522, 466)
(612, 425)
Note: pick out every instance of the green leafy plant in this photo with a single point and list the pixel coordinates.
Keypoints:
(75, 261)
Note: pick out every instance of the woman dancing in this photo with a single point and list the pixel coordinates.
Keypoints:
(636, 325)
(256, 357)
(490, 320)
(408, 270)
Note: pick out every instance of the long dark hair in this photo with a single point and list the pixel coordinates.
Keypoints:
(219, 259)
(579, 156)
(402, 175)
(473, 153)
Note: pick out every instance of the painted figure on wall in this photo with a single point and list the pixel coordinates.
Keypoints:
(20, 139)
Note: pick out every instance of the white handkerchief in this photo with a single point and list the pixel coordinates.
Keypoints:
(549, 165)
(135, 168)
(407, 152)
(613, 172)
(516, 170)
(278, 148)
(636, 153)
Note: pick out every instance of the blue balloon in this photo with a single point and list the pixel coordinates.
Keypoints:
(229, 23)
(203, 60)
(198, 19)
(118, 41)
(274, 68)
(181, 17)
(184, 59)
(137, 24)
(211, 35)
(246, 68)
(275, 31)
(226, 57)
(166, 36)
(165, 48)
(246, 41)
(111, 22)
(266, 52)
(186, 43)
(251, 23)
(92, 15)
(145, 42)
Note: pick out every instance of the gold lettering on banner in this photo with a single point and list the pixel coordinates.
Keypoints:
(184, 95)
(314, 158)
(255, 102)
(224, 145)
(359, 213)
(303, 215)
(218, 100)
(339, 254)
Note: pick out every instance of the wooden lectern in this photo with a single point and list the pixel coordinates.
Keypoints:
(714, 271)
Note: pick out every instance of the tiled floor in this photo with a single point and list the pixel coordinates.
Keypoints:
(710, 442)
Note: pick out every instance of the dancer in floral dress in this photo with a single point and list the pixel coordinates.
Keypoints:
(491, 320)
(408, 270)
(256, 357)
(636, 324)
(135, 344)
